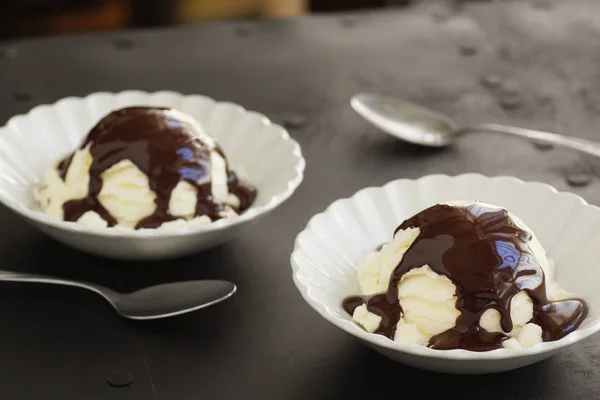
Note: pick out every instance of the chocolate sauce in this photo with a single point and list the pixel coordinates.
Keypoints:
(489, 260)
(168, 149)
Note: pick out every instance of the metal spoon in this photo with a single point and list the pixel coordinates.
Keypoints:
(419, 125)
(160, 301)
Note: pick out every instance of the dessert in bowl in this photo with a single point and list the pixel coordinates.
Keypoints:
(137, 175)
(463, 275)
(144, 168)
(457, 286)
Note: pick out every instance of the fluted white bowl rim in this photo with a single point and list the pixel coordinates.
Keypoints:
(325, 310)
(252, 213)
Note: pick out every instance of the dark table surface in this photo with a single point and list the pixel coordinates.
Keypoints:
(265, 342)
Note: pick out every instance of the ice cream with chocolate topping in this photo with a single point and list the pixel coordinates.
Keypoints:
(144, 167)
(463, 275)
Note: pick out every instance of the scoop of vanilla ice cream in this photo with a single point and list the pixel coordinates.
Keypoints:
(93, 220)
(126, 193)
(54, 192)
(428, 299)
(367, 319)
(375, 271)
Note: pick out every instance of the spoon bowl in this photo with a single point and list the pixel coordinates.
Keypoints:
(154, 302)
(418, 125)
(405, 120)
(171, 299)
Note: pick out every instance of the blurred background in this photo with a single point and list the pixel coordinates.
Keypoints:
(20, 18)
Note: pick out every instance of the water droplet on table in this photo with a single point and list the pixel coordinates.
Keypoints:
(348, 22)
(510, 100)
(243, 31)
(295, 121)
(491, 81)
(8, 53)
(441, 14)
(468, 49)
(545, 101)
(120, 378)
(510, 86)
(21, 96)
(123, 43)
(543, 146)
(544, 4)
(579, 179)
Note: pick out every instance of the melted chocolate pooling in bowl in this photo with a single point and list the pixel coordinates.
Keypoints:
(488, 258)
(169, 148)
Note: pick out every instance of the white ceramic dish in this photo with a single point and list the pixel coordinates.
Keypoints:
(259, 150)
(327, 252)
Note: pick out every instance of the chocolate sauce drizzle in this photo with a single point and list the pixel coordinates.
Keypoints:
(168, 150)
(488, 258)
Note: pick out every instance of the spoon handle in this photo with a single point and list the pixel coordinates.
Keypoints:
(10, 276)
(585, 146)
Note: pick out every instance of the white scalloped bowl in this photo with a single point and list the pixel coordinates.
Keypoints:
(259, 150)
(327, 252)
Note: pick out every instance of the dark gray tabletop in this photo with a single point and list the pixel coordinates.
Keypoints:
(265, 342)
